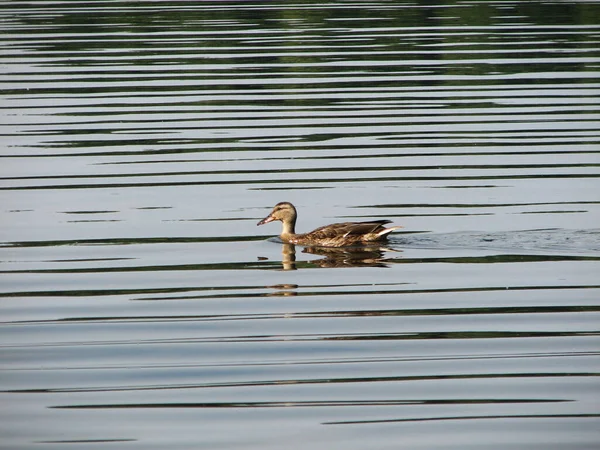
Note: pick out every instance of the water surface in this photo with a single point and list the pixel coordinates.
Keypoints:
(141, 306)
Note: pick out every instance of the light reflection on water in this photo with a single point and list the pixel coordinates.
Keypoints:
(142, 142)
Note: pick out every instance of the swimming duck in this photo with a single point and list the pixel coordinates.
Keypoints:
(334, 235)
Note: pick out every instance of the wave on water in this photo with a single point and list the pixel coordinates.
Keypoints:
(543, 240)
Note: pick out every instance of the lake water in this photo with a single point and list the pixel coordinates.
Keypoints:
(142, 308)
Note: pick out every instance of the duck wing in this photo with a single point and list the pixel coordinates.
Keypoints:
(362, 228)
(337, 230)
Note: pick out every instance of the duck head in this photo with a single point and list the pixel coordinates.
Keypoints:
(284, 211)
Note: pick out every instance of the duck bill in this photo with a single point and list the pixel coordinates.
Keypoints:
(267, 219)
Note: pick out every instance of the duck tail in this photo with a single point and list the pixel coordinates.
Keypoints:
(386, 231)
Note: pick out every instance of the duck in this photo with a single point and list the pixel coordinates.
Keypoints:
(333, 235)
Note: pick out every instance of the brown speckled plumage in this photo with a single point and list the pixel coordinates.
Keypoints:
(334, 235)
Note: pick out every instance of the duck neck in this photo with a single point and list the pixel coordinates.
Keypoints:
(289, 227)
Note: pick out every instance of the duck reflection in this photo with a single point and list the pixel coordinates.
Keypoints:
(355, 256)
